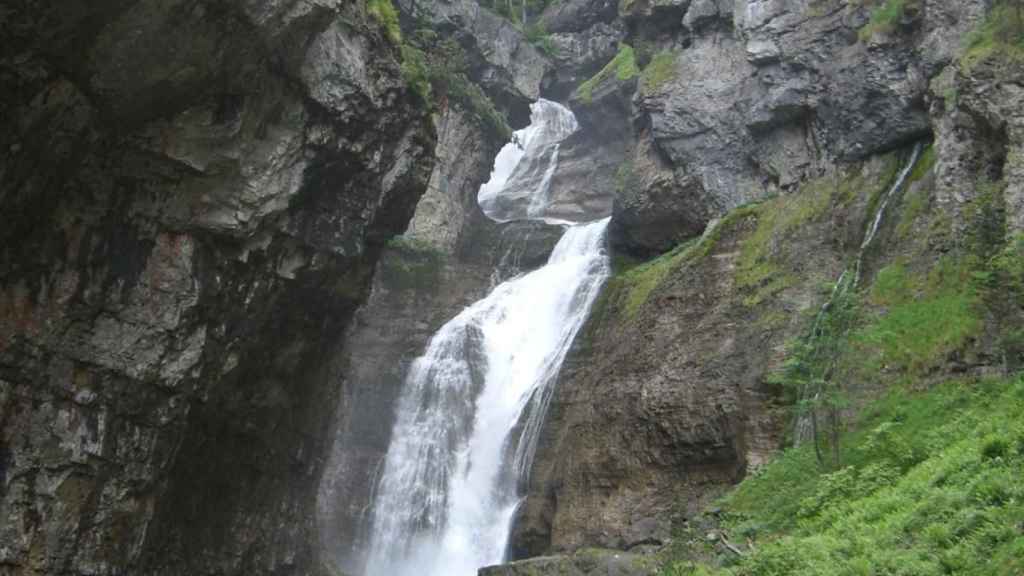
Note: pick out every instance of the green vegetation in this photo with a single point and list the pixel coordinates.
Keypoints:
(383, 11)
(436, 68)
(916, 199)
(1002, 289)
(415, 71)
(924, 165)
(625, 177)
(999, 37)
(928, 481)
(414, 246)
(411, 264)
(758, 272)
(886, 17)
(636, 284)
(523, 14)
(925, 317)
(518, 12)
(661, 69)
(930, 487)
(539, 37)
(622, 66)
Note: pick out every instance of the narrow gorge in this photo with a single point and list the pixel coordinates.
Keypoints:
(512, 287)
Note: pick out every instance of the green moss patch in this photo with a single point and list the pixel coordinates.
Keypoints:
(759, 271)
(622, 66)
(636, 284)
(410, 264)
(660, 70)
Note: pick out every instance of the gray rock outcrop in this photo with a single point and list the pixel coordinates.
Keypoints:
(194, 195)
(762, 95)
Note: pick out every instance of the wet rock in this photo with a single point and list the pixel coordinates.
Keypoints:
(590, 562)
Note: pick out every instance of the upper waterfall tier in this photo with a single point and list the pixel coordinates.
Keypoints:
(520, 185)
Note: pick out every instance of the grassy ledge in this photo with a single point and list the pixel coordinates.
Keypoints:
(622, 66)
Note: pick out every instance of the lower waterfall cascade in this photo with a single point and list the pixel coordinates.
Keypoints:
(472, 406)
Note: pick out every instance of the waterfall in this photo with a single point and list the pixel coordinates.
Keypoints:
(876, 223)
(520, 185)
(802, 427)
(473, 404)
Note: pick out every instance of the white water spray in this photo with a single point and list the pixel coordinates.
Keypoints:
(469, 416)
(520, 184)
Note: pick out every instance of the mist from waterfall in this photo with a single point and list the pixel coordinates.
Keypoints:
(472, 406)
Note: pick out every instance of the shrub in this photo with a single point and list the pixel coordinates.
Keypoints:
(885, 18)
(383, 11)
(415, 72)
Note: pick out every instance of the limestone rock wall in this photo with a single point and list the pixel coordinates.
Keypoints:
(194, 194)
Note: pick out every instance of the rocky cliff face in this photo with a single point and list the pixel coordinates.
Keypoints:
(750, 98)
(195, 194)
(198, 193)
(667, 398)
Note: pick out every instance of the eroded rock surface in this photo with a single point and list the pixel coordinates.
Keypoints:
(194, 195)
(762, 94)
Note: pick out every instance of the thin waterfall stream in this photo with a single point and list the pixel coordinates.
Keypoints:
(848, 281)
(472, 406)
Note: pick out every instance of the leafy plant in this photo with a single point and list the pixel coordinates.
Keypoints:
(383, 11)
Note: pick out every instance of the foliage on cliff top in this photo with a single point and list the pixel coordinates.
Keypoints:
(538, 35)
(1000, 36)
(931, 487)
(515, 10)
(622, 66)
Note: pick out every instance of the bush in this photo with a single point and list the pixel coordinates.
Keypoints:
(415, 71)
(383, 11)
(885, 18)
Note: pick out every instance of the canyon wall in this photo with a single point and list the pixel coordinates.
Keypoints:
(195, 194)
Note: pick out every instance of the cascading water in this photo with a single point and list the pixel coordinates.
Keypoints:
(520, 185)
(846, 282)
(468, 418)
